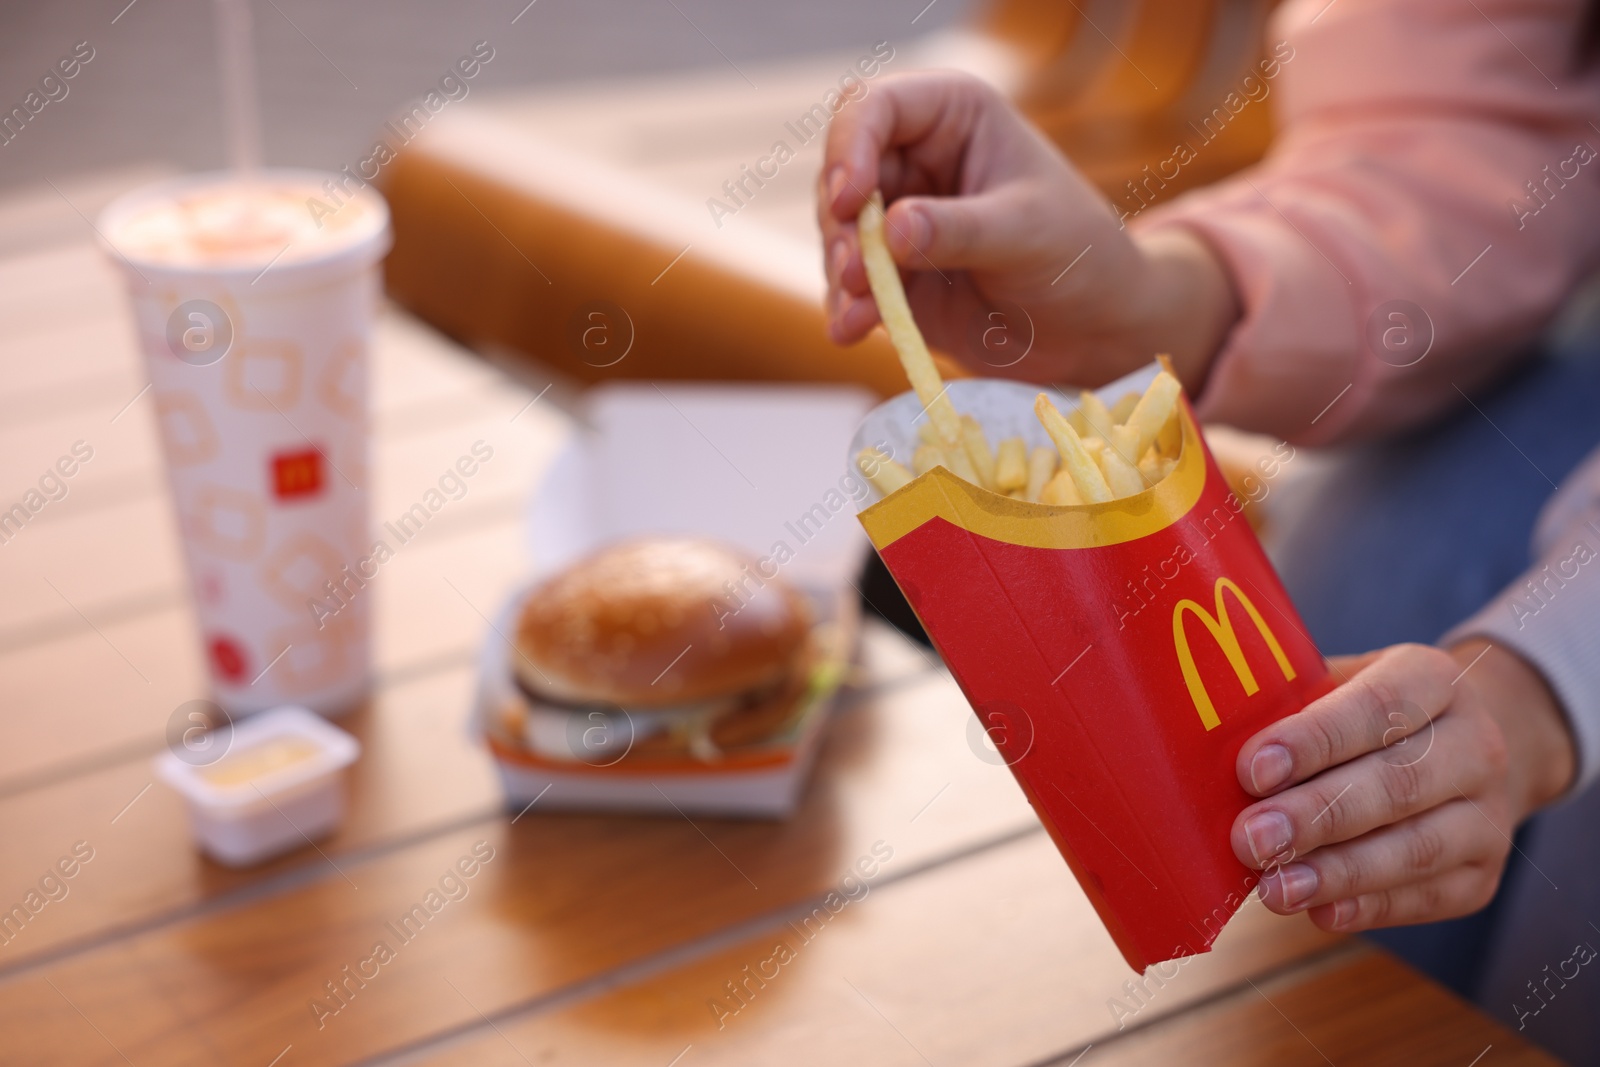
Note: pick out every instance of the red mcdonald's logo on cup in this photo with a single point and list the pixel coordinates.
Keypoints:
(1221, 629)
(297, 474)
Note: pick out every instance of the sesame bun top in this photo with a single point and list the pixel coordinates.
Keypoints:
(658, 623)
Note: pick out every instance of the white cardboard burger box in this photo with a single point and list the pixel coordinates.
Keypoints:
(755, 467)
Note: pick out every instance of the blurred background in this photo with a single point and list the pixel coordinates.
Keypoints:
(331, 73)
(616, 128)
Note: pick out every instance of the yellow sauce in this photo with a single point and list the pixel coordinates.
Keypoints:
(258, 761)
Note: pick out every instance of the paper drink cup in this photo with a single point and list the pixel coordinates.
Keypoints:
(1117, 654)
(253, 298)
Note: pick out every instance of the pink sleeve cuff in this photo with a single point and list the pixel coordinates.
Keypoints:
(1294, 343)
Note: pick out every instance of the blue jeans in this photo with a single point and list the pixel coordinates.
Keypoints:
(1401, 540)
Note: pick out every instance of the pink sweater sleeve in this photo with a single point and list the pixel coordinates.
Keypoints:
(1432, 194)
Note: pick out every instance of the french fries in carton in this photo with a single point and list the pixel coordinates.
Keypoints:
(1117, 653)
(1113, 621)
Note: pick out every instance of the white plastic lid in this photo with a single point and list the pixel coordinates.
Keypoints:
(225, 225)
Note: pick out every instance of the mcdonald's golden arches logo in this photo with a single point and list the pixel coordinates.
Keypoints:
(1220, 626)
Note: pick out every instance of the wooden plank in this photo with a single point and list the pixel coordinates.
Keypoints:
(430, 399)
(117, 683)
(123, 449)
(86, 359)
(998, 959)
(1367, 1010)
(420, 774)
(566, 899)
(419, 769)
(139, 573)
(412, 366)
(65, 320)
(129, 659)
(68, 545)
(103, 576)
(994, 960)
(82, 379)
(51, 287)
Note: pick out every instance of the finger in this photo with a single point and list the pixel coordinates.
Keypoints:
(985, 230)
(935, 109)
(841, 247)
(852, 268)
(1449, 896)
(1415, 850)
(901, 174)
(1424, 770)
(842, 259)
(847, 283)
(853, 317)
(1400, 691)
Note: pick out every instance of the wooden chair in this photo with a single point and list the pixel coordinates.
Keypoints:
(1118, 84)
(573, 229)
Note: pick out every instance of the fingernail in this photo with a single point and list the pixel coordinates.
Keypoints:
(1343, 912)
(838, 256)
(1269, 834)
(836, 181)
(1296, 882)
(1270, 767)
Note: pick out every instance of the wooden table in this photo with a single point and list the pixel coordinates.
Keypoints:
(584, 939)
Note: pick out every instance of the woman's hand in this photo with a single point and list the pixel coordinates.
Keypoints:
(1007, 248)
(1393, 799)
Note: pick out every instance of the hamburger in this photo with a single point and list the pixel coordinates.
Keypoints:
(659, 648)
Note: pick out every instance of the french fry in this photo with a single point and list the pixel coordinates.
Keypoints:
(1169, 441)
(1124, 442)
(925, 458)
(1156, 466)
(1096, 415)
(929, 455)
(1041, 467)
(928, 433)
(1094, 445)
(1085, 475)
(1118, 464)
(976, 444)
(884, 473)
(1153, 410)
(1121, 477)
(1124, 407)
(1150, 467)
(1060, 489)
(1011, 465)
(884, 278)
(956, 459)
(1017, 494)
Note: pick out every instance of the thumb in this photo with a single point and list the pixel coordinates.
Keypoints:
(987, 230)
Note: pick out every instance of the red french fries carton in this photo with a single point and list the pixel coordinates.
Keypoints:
(1118, 655)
